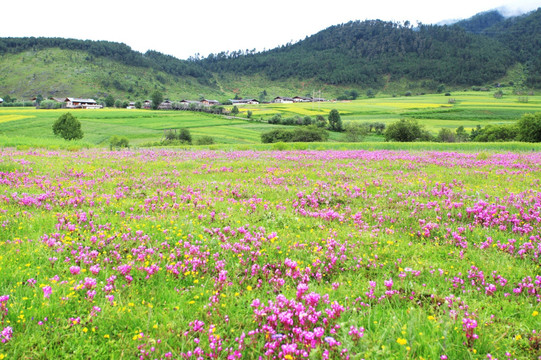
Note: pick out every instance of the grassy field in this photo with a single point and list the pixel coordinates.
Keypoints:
(28, 126)
(160, 254)
(139, 126)
(434, 111)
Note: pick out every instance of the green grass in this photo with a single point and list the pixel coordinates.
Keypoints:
(434, 111)
(139, 126)
(28, 126)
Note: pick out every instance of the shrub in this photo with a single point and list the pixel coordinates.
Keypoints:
(170, 135)
(50, 104)
(497, 133)
(321, 122)
(276, 119)
(355, 132)
(304, 134)
(68, 127)
(118, 142)
(529, 128)
(446, 135)
(185, 136)
(406, 131)
(204, 140)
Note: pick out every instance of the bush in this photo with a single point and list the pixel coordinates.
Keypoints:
(497, 133)
(276, 119)
(355, 132)
(118, 142)
(68, 127)
(406, 131)
(185, 136)
(446, 135)
(321, 122)
(50, 104)
(529, 128)
(304, 134)
(205, 140)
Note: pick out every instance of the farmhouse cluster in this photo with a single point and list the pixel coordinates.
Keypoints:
(81, 103)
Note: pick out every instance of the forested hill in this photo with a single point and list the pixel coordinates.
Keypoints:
(113, 51)
(477, 24)
(473, 52)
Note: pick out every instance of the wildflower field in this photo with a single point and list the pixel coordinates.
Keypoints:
(162, 254)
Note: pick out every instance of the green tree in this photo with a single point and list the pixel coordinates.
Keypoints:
(235, 110)
(446, 135)
(406, 131)
(461, 134)
(185, 136)
(370, 93)
(355, 132)
(157, 99)
(335, 121)
(529, 128)
(109, 101)
(118, 103)
(68, 127)
(138, 105)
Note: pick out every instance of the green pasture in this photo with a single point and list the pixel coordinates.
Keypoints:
(32, 127)
(139, 126)
(434, 111)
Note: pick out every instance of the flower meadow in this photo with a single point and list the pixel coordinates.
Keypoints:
(160, 254)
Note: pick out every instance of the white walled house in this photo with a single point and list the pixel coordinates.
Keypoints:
(76, 103)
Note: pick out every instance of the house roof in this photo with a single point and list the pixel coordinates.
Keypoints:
(88, 101)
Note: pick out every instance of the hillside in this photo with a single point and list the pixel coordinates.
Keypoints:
(374, 54)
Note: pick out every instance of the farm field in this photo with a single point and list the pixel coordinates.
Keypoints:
(469, 110)
(19, 126)
(139, 126)
(161, 254)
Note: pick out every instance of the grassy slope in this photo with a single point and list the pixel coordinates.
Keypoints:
(55, 72)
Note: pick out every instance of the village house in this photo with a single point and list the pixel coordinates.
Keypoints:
(147, 104)
(131, 105)
(76, 103)
(302, 99)
(166, 105)
(282, 100)
(244, 101)
(1, 100)
(187, 103)
(210, 102)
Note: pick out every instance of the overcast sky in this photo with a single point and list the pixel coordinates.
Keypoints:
(184, 28)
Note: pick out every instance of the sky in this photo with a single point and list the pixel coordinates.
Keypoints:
(186, 28)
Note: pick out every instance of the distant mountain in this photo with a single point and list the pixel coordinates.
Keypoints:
(477, 24)
(369, 52)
